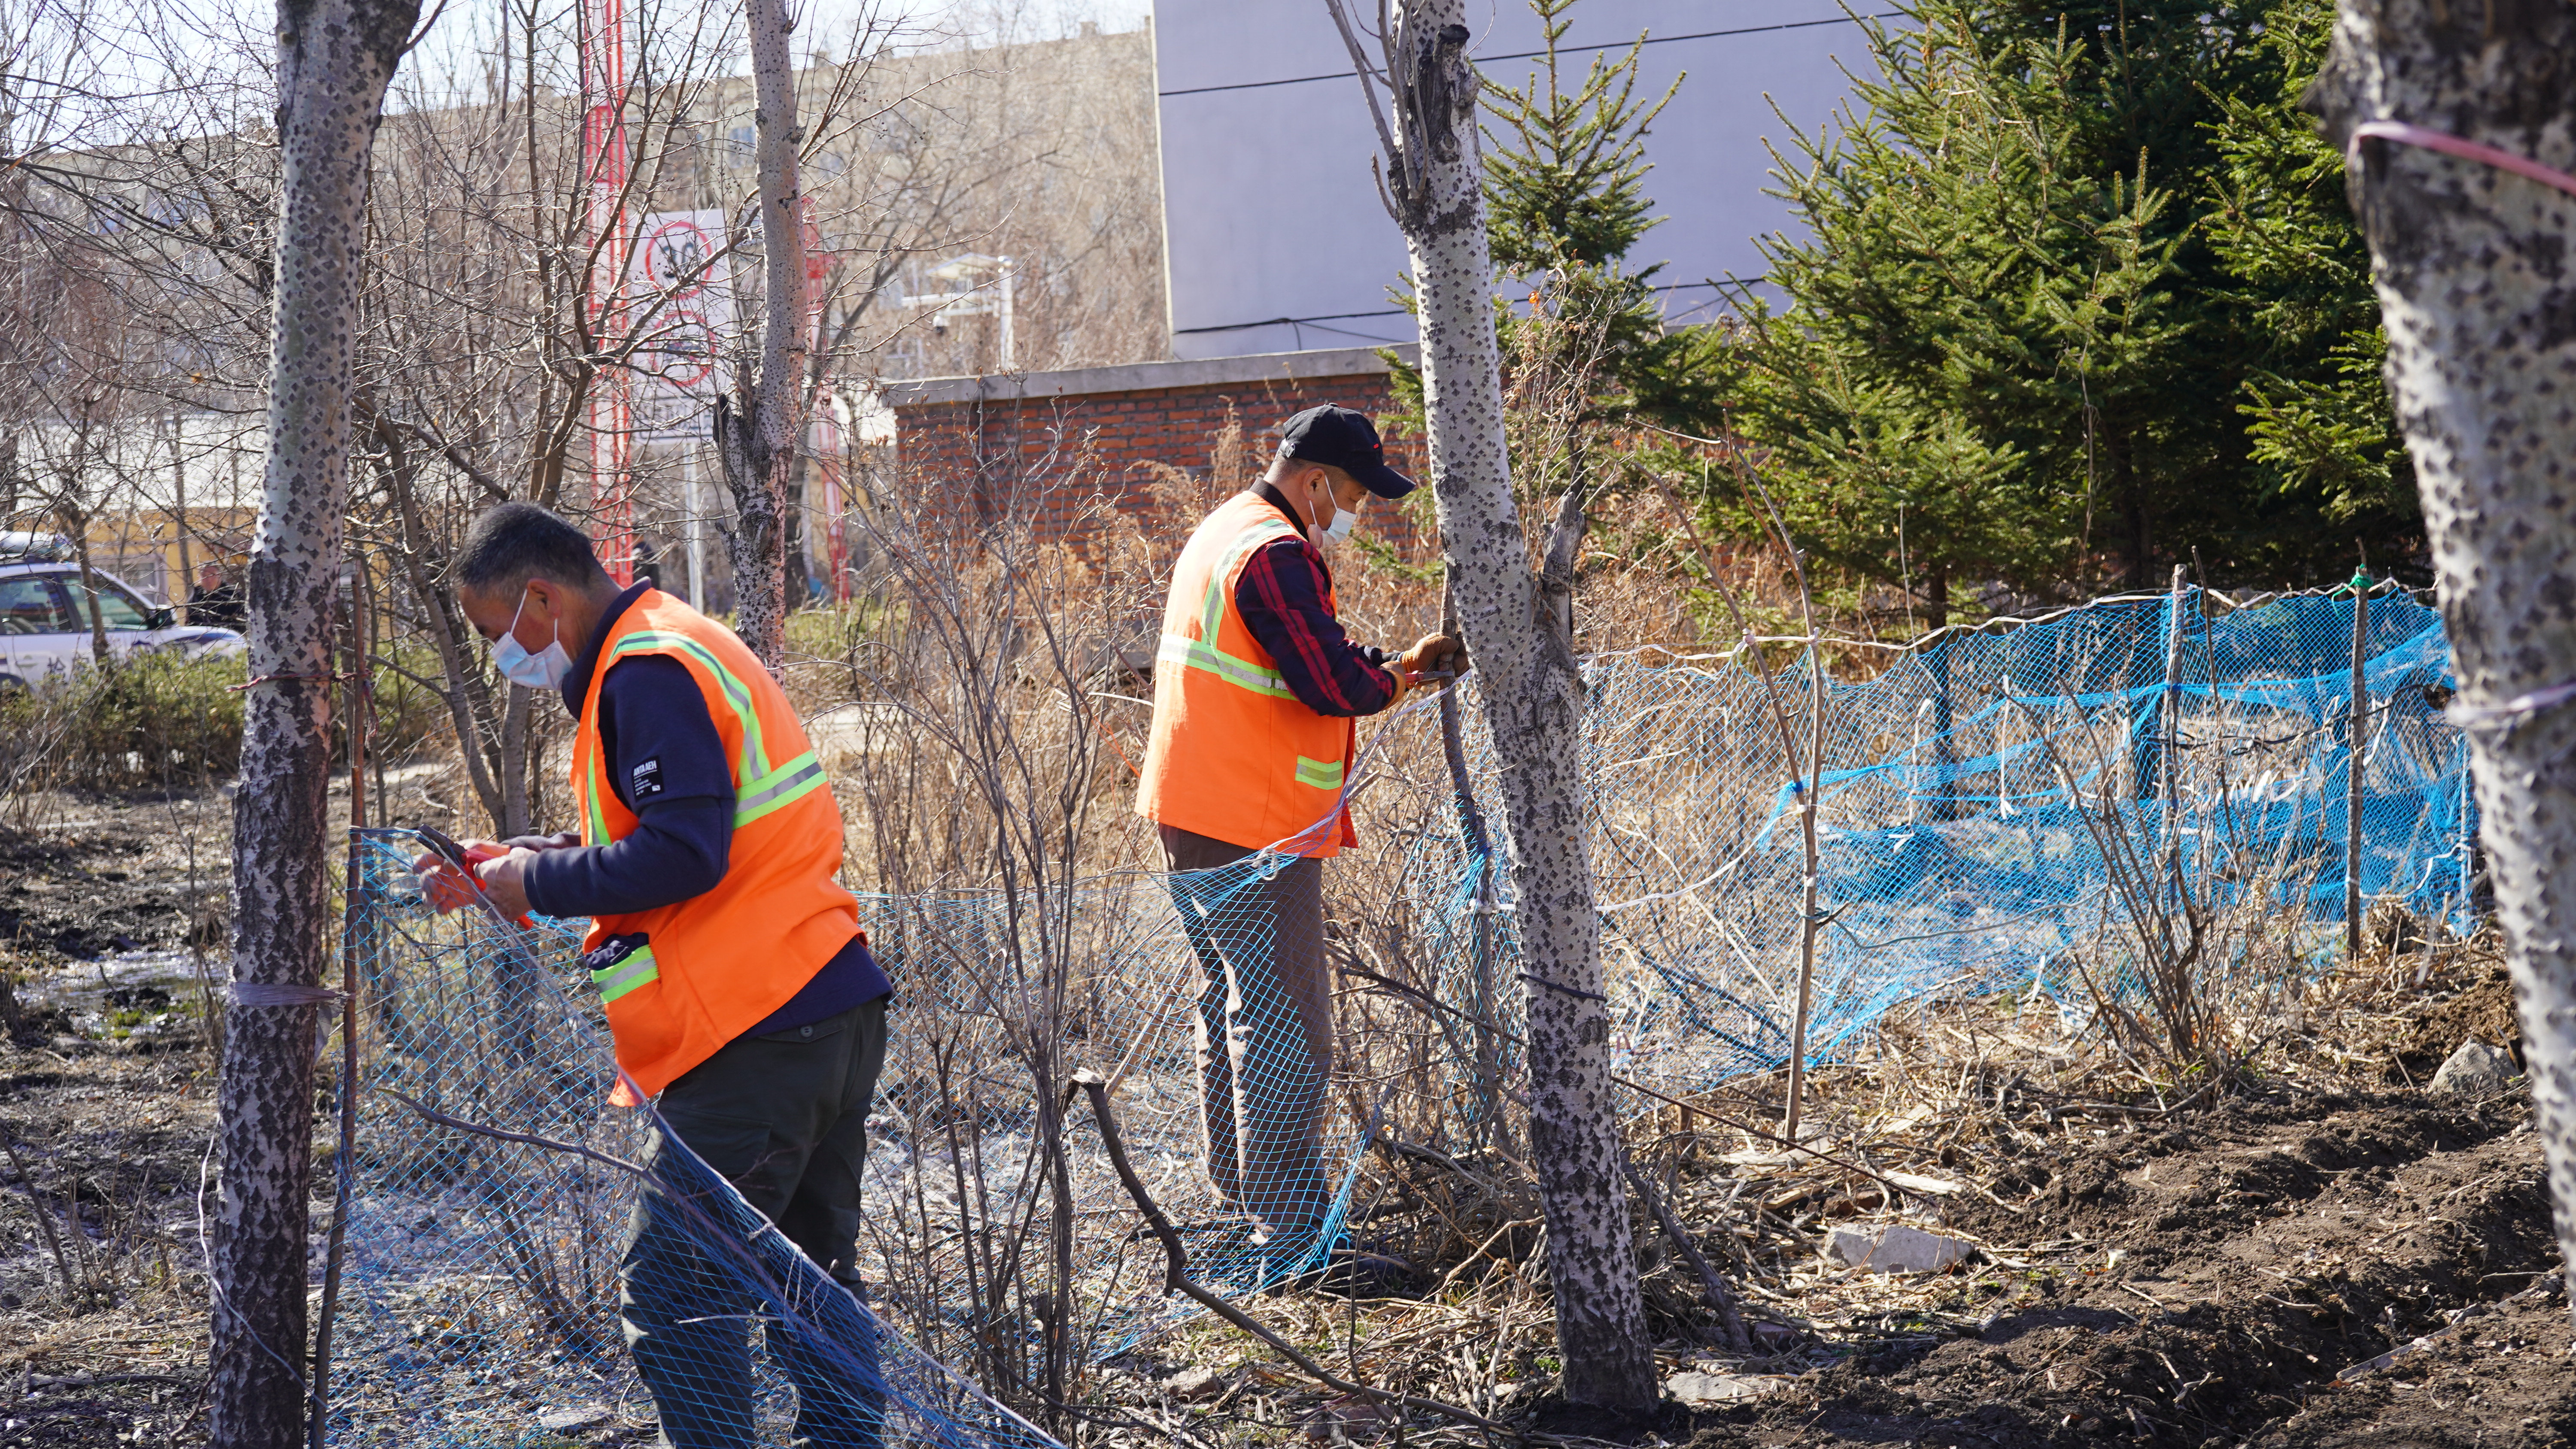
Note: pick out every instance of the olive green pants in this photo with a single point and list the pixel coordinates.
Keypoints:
(783, 1118)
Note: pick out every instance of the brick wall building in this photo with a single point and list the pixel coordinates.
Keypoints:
(1052, 445)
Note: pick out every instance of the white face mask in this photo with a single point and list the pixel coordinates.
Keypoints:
(544, 669)
(1344, 519)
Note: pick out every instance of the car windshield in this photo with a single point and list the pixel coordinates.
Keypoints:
(120, 608)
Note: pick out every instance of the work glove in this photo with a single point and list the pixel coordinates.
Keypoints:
(1437, 659)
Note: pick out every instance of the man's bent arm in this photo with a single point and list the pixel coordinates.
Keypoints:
(666, 763)
(679, 849)
(1281, 598)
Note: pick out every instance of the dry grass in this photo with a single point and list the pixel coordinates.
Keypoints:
(1937, 1111)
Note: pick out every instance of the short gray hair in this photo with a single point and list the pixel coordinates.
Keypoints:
(512, 543)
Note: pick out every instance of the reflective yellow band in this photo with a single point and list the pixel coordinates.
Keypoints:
(1212, 608)
(625, 976)
(1318, 774)
(778, 789)
(594, 821)
(755, 760)
(1241, 673)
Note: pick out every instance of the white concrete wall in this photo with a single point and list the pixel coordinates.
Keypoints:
(1267, 203)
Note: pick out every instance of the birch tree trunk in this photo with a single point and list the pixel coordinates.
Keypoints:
(2470, 261)
(334, 60)
(756, 435)
(1532, 697)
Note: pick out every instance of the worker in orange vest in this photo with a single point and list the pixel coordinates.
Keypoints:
(1255, 691)
(728, 957)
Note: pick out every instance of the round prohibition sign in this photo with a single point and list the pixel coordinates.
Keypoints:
(675, 257)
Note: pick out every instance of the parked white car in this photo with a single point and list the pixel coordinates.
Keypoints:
(45, 617)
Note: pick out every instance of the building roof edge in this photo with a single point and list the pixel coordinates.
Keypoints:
(1146, 376)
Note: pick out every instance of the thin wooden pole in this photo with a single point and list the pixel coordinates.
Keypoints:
(1811, 907)
(1478, 842)
(178, 593)
(355, 731)
(2359, 737)
(344, 1165)
(2169, 704)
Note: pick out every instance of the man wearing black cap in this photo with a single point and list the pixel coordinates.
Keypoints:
(1255, 691)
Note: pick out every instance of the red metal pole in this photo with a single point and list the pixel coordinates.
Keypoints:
(604, 160)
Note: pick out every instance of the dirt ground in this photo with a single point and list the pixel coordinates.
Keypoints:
(2207, 1282)
(106, 1104)
(2309, 1263)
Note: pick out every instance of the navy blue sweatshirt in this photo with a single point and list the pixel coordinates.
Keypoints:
(666, 762)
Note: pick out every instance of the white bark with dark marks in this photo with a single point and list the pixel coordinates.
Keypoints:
(2477, 286)
(756, 429)
(335, 58)
(1533, 700)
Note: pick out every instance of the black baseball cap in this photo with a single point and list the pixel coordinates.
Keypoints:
(1340, 438)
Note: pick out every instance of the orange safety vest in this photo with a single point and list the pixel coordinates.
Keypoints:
(1235, 754)
(685, 979)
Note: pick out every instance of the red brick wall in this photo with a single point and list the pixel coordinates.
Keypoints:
(1054, 457)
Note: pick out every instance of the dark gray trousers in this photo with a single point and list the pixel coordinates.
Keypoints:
(784, 1119)
(1265, 1039)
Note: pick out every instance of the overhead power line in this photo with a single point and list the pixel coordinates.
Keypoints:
(1561, 50)
(1322, 317)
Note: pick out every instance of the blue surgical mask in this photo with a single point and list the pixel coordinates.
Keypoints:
(544, 669)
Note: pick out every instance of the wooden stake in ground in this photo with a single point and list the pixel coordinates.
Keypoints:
(756, 426)
(1531, 694)
(2359, 740)
(2469, 256)
(334, 60)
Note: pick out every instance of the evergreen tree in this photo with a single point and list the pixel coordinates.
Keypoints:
(2020, 342)
(1565, 176)
(1565, 200)
(2320, 418)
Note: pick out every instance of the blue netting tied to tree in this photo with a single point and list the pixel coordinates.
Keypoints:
(1977, 796)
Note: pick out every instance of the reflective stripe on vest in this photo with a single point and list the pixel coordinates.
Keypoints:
(764, 788)
(1202, 653)
(636, 970)
(1318, 773)
(783, 786)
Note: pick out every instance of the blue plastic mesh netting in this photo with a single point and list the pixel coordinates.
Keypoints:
(481, 1305)
(1966, 794)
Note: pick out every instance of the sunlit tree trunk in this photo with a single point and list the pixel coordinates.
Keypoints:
(1532, 697)
(2470, 260)
(334, 60)
(756, 434)
(75, 521)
